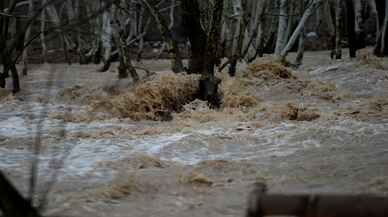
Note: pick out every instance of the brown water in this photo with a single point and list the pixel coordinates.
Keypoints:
(346, 150)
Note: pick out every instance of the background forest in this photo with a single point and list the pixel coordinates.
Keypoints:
(239, 30)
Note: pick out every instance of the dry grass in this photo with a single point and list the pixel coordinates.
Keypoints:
(294, 113)
(224, 114)
(168, 93)
(323, 90)
(269, 70)
(236, 93)
(366, 57)
(154, 99)
(117, 191)
(146, 161)
(195, 178)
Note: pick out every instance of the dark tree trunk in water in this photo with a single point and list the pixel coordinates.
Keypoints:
(3, 73)
(350, 20)
(197, 36)
(11, 56)
(126, 66)
(3, 76)
(233, 67)
(97, 55)
(15, 79)
(106, 65)
(82, 58)
(120, 34)
(9, 66)
(208, 82)
(383, 17)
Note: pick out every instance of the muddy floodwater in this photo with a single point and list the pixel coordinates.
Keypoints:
(100, 165)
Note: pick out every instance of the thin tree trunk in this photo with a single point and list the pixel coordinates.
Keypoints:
(358, 16)
(309, 11)
(282, 28)
(77, 14)
(173, 48)
(328, 18)
(236, 25)
(384, 32)
(120, 35)
(197, 36)
(28, 32)
(338, 29)
(106, 38)
(290, 20)
(172, 14)
(42, 35)
(15, 79)
(300, 53)
(54, 17)
(350, 17)
(260, 36)
(374, 14)
(125, 65)
(257, 24)
(209, 83)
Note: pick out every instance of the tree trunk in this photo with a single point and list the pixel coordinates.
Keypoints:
(15, 79)
(338, 30)
(197, 36)
(173, 48)
(120, 35)
(28, 32)
(300, 52)
(20, 36)
(282, 28)
(209, 83)
(374, 14)
(351, 26)
(260, 35)
(54, 17)
(106, 38)
(125, 65)
(384, 33)
(309, 11)
(290, 20)
(236, 27)
(358, 16)
(42, 35)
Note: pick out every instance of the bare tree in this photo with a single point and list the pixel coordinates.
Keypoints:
(308, 12)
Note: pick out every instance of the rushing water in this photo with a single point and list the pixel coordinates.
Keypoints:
(81, 157)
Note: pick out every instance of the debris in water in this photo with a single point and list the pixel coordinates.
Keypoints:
(292, 113)
(236, 94)
(196, 178)
(154, 99)
(270, 71)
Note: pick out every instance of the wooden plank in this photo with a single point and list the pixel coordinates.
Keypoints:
(316, 205)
